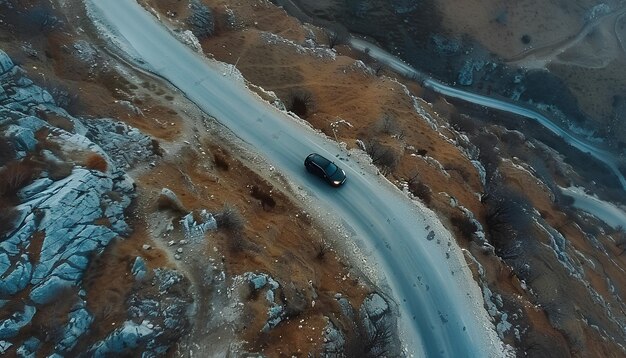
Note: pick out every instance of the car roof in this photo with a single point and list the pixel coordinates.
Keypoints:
(319, 160)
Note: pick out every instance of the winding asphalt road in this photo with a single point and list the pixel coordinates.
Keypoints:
(439, 317)
(399, 66)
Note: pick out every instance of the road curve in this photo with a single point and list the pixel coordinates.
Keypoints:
(442, 314)
(401, 67)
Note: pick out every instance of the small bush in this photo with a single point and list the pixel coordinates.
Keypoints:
(321, 248)
(466, 227)
(462, 122)
(508, 218)
(220, 162)
(14, 176)
(371, 341)
(156, 148)
(387, 124)
(236, 243)
(230, 218)
(59, 170)
(421, 190)
(266, 199)
(300, 102)
(7, 153)
(488, 156)
(378, 68)
(382, 156)
(95, 161)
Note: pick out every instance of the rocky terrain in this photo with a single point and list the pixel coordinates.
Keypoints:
(133, 223)
(554, 55)
(128, 228)
(547, 270)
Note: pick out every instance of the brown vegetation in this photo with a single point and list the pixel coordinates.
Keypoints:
(230, 219)
(220, 161)
(95, 161)
(16, 175)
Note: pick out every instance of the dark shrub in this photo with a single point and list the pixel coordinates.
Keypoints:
(370, 342)
(229, 219)
(266, 199)
(382, 156)
(333, 38)
(220, 162)
(466, 227)
(300, 102)
(421, 190)
(7, 153)
(508, 219)
(462, 122)
(14, 176)
(156, 148)
(488, 156)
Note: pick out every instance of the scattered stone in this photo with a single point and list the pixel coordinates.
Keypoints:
(78, 324)
(201, 20)
(125, 145)
(28, 348)
(139, 269)
(168, 200)
(334, 340)
(466, 75)
(11, 326)
(129, 336)
(146, 247)
(195, 230)
(4, 346)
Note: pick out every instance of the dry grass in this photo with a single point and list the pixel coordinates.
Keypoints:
(16, 175)
(95, 161)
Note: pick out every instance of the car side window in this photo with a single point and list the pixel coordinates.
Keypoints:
(317, 170)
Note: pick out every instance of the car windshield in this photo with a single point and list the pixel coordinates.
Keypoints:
(330, 169)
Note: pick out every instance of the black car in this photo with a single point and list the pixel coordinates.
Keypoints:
(325, 169)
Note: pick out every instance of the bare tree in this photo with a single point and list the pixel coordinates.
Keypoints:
(374, 343)
(382, 156)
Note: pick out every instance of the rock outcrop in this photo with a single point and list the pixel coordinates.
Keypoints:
(201, 20)
(68, 210)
